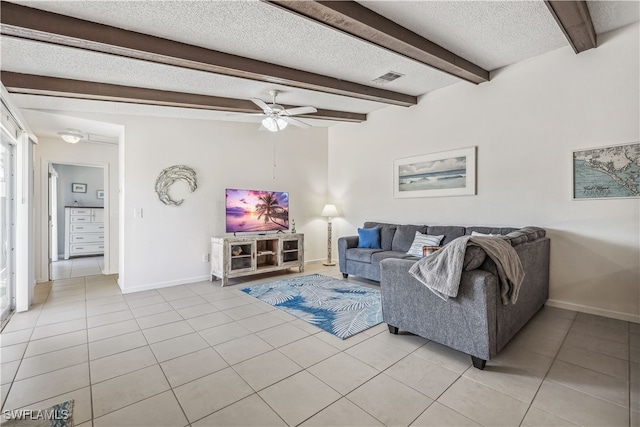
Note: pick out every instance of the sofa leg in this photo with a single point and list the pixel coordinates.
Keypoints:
(393, 329)
(478, 363)
(345, 275)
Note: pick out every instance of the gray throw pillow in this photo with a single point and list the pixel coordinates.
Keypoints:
(403, 238)
(473, 258)
(386, 236)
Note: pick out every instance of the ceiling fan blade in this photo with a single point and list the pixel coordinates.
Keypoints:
(295, 122)
(246, 114)
(260, 103)
(299, 110)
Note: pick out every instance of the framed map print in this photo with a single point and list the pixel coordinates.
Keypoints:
(607, 172)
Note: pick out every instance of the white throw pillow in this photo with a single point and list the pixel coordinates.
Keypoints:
(475, 233)
(423, 240)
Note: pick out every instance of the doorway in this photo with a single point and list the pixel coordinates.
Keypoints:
(7, 226)
(77, 238)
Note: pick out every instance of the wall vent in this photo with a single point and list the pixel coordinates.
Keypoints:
(388, 78)
(101, 139)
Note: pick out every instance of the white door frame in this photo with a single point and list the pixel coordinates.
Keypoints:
(44, 220)
(53, 216)
(11, 212)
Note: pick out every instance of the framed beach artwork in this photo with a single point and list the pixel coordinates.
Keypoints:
(611, 172)
(448, 173)
(78, 188)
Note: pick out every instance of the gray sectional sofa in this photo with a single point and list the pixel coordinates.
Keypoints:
(395, 241)
(475, 322)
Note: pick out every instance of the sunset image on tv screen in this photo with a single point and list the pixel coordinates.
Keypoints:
(251, 210)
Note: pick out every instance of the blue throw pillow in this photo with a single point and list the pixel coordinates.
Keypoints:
(369, 238)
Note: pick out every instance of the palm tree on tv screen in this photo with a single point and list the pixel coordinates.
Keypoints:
(271, 210)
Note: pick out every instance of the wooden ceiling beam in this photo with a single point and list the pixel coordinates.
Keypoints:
(52, 86)
(358, 21)
(39, 25)
(574, 20)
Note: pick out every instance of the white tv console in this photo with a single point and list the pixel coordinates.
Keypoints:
(237, 256)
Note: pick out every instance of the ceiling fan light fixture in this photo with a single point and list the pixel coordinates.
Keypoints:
(72, 137)
(281, 123)
(274, 124)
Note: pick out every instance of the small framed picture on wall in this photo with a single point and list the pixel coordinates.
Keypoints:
(78, 188)
(100, 194)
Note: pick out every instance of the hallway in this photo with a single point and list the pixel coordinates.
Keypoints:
(77, 267)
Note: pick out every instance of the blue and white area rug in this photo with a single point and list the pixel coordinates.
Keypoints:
(339, 307)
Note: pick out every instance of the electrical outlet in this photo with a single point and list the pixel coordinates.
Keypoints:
(137, 213)
(205, 257)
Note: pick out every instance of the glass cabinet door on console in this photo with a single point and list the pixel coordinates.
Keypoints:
(241, 256)
(291, 250)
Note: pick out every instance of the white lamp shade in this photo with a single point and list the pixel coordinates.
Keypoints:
(329, 210)
(274, 125)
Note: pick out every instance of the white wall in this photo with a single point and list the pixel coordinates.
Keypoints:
(525, 122)
(54, 150)
(166, 245)
(67, 175)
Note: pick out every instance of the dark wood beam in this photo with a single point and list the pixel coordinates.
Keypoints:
(364, 24)
(34, 24)
(574, 20)
(80, 89)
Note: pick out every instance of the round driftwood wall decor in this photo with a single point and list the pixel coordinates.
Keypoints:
(170, 175)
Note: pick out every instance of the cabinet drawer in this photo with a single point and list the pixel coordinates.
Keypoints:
(81, 248)
(87, 228)
(87, 238)
(80, 211)
(80, 218)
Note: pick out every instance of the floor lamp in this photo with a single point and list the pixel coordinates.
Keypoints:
(329, 211)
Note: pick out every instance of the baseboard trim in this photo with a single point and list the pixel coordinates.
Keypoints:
(594, 310)
(160, 285)
(318, 261)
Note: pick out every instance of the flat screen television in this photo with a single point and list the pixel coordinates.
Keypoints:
(256, 211)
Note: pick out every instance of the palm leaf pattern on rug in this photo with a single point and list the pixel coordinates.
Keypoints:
(274, 295)
(347, 321)
(304, 315)
(337, 306)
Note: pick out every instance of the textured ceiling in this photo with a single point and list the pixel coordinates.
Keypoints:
(491, 34)
(611, 15)
(256, 30)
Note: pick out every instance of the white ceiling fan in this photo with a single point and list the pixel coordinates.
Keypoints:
(276, 117)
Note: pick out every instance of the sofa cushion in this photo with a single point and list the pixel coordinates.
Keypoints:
(516, 237)
(379, 256)
(386, 233)
(474, 256)
(475, 233)
(386, 236)
(404, 235)
(534, 233)
(361, 255)
(450, 232)
(371, 224)
(421, 240)
(369, 238)
(525, 234)
(489, 230)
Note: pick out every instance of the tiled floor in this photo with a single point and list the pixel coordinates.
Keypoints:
(201, 355)
(77, 267)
